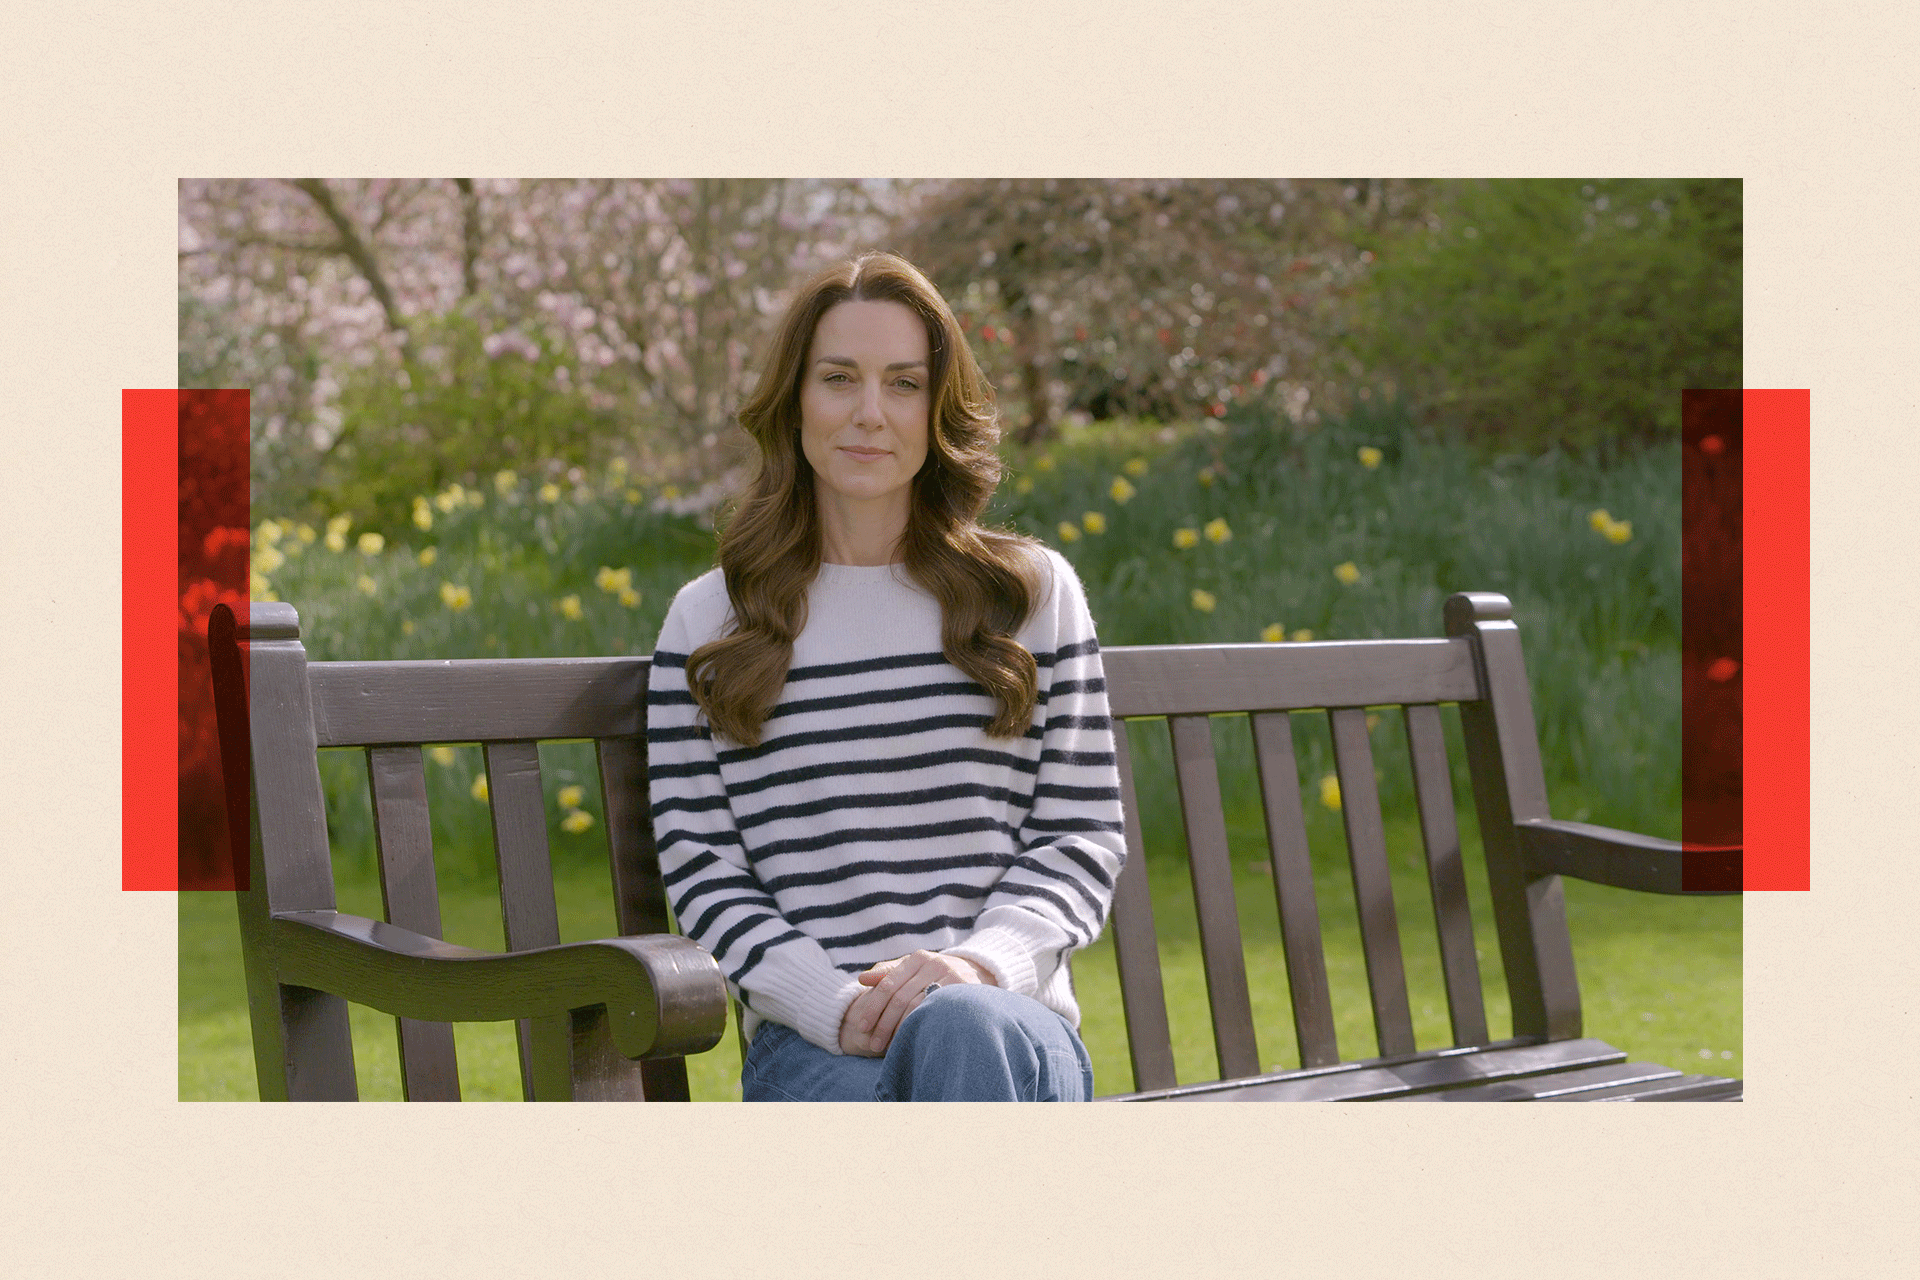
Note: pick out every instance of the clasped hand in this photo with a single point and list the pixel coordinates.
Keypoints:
(894, 989)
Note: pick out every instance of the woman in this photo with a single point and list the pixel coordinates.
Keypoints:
(879, 749)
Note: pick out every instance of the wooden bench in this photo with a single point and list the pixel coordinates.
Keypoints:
(614, 1019)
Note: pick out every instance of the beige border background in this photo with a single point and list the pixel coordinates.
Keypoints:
(107, 105)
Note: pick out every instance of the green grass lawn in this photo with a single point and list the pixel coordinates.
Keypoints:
(1660, 977)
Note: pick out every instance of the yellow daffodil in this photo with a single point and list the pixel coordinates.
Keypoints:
(258, 587)
(422, 514)
(406, 626)
(1121, 490)
(613, 580)
(1136, 467)
(455, 598)
(336, 541)
(1598, 519)
(1069, 531)
(504, 481)
(617, 467)
(569, 607)
(671, 492)
(576, 822)
(1273, 633)
(1094, 522)
(340, 524)
(1023, 484)
(1619, 531)
(1302, 635)
(1203, 600)
(1205, 476)
(549, 492)
(428, 555)
(442, 756)
(1370, 457)
(268, 558)
(629, 597)
(1330, 792)
(305, 533)
(1044, 462)
(371, 544)
(479, 788)
(1184, 538)
(1217, 531)
(570, 797)
(632, 496)
(450, 501)
(1348, 573)
(365, 586)
(268, 533)
(475, 498)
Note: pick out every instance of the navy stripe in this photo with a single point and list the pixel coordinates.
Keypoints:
(1071, 881)
(898, 764)
(881, 932)
(891, 835)
(707, 919)
(1096, 759)
(1060, 791)
(741, 929)
(853, 906)
(1073, 824)
(855, 733)
(876, 697)
(1072, 917)
(1079, 722)
(689, 804)
(848, 870)
(877, 800)
(676, 836)
(753, 956)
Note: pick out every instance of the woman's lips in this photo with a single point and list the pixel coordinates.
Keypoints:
(865, 455)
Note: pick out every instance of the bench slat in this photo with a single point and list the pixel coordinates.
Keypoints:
(1372, 882)
(1211, 865)
(1573, 1085)
(1446, 874)
(1402, 1077)
(526, 894)
(477, 700)
(1274, 760)
(639, 896)
(403, 836)
(1136, 954)
(1158, 680)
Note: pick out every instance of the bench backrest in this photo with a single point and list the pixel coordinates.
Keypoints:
(390, 709)
(1478, 667)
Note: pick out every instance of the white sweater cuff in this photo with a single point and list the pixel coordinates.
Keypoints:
(1005, 955)
(814, 1010)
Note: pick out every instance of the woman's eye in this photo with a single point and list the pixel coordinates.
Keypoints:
(907, 384)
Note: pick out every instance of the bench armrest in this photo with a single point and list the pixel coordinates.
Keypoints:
(664, 994)
(1625, 860)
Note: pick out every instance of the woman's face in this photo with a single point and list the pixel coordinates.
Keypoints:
(865, 397)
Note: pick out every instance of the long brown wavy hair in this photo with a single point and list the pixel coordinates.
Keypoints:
(986, 580)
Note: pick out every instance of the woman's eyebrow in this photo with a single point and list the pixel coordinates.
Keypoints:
(851, 364)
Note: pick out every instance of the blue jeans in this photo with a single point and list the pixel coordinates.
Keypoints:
(964, 1043)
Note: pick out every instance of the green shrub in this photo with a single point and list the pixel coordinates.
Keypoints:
(1544, 312)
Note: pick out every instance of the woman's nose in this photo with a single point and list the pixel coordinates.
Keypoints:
(867, 408)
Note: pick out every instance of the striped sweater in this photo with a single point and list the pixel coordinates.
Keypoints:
(877, 817)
